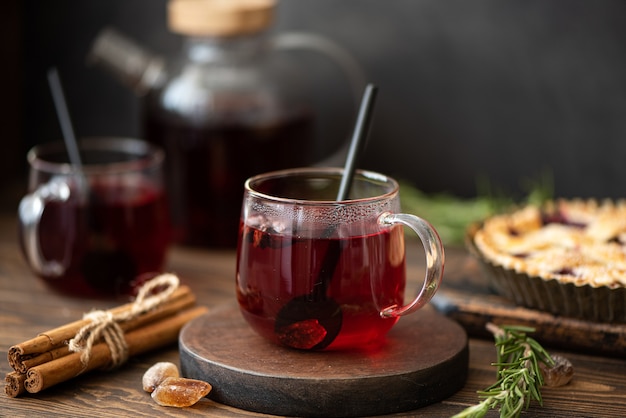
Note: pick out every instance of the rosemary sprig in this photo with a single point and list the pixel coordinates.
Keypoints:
(519, 377)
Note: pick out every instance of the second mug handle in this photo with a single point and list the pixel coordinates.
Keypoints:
(433, 247)
(30, 211)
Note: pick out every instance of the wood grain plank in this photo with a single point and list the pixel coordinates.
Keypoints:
(473, 310)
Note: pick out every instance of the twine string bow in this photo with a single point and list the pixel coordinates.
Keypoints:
(104, 326)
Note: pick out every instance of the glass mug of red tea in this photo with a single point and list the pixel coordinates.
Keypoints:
(314, 273)
(94, 230)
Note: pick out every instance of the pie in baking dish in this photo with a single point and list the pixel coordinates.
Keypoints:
(567, 257)
(581, 242)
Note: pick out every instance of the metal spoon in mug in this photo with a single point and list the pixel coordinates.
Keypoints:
(313, 320)
(66, 127)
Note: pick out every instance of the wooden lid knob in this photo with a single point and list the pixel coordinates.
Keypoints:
(219, 17)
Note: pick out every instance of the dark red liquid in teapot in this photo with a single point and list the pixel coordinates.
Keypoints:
(273, 269)
(207, 166)
(107, 243)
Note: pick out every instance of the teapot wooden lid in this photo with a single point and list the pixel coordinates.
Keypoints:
(424, 360)
(219, 17)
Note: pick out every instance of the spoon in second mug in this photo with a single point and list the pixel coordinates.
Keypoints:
(313, 320)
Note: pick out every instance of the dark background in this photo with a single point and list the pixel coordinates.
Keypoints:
(501, 89)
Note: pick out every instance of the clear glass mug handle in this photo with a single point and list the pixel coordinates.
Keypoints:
(30, 211)
(435, 256)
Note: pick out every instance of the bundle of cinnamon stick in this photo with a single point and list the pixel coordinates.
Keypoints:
(47, 360)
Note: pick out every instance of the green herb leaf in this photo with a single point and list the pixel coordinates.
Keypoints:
(451, 215)
(519, 377)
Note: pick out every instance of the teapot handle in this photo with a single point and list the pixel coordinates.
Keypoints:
(308, 41)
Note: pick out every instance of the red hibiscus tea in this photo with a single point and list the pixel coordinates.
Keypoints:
(314, 273)
(369, 275)
(101, 229)
(119, 234)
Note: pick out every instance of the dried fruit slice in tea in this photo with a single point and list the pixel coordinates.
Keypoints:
(303, 334)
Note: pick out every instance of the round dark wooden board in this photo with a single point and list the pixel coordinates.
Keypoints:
(424, 360)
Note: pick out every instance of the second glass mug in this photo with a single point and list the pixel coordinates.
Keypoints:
(314, 273)
(99, 229)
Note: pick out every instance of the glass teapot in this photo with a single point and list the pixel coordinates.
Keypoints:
(226, 109)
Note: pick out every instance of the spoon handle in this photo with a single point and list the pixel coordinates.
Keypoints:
(359, 135)
(327, 269)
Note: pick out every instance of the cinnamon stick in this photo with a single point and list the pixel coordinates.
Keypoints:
(21, 364)
(14, 386)
(151, 336)
(27, 354)
(27, 362)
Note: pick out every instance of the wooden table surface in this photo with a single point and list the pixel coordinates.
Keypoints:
(27, 308)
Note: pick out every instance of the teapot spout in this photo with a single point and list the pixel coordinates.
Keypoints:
(128, 62)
